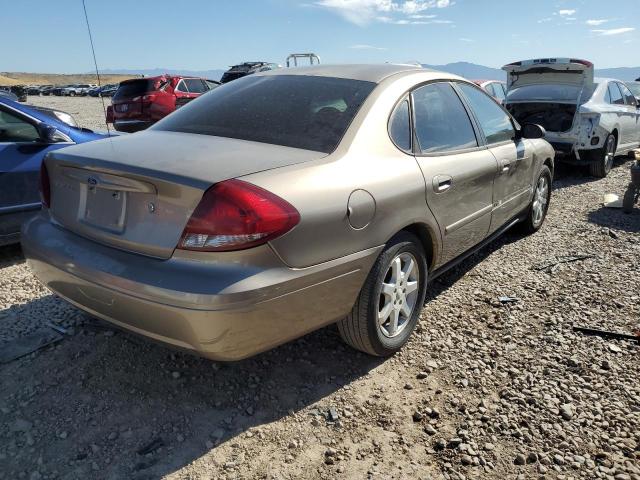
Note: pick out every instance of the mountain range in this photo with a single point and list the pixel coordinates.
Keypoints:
(464, 69)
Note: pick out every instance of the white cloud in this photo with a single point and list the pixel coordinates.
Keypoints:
(613, 31)
(597, 22)
(545, 20)
(363, 12)
(363, 46)
(566, 12)
(466, 40)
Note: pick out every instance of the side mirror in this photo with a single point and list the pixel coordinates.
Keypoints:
(533, 130)
(47, 132)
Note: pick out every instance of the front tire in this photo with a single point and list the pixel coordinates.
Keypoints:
(540, 204)
(603, 162)
(389, 304)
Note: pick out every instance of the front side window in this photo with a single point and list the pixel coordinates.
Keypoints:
(629, 99)
(400, 126)
(15, 130)
(195, 85)
(494, 121)
(441, 121)
(308, 112)
(615, 94)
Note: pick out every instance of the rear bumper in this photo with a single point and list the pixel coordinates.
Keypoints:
(131, 126)
(227, 307)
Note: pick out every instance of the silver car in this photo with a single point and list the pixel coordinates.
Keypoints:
(588, 120)
(285, 201)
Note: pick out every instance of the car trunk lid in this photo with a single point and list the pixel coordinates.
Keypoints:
(567, 71)
(137, 192)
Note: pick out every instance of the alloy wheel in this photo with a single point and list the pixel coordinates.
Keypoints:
(540, 200)
(610, 152)
(398, 295)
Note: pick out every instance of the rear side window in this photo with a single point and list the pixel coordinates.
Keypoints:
(133, 88)
(615, 95)
(312, 113)
(441, 121)
(498, 91)
(494, 121)
(400, 126)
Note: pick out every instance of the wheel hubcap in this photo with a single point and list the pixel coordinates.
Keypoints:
(398, 295)
(540, 200)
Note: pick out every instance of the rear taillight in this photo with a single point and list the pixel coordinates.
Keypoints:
(45, 187)
(234, 215)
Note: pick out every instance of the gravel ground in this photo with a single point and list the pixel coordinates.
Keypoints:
(483, 390)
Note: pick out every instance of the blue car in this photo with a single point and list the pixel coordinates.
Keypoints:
(27, 134)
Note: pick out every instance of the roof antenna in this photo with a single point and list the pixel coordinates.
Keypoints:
(95, 62)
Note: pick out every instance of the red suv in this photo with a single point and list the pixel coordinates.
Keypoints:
(141, 102)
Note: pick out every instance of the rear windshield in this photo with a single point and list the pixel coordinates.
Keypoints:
(133, 88)
(297, 111)
(560, 93)
(228, 76)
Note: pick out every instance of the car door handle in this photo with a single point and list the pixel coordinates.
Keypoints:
(505, 166)
(442, 183)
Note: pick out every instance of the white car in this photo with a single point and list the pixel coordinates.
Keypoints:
(80, 89)
(588, 120)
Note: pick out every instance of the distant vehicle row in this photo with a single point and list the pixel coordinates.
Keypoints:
(81, 90)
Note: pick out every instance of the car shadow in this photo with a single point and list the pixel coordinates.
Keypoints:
(566, 175)
(616, 219)
(445, 281)
(11, 255)
(108, 391)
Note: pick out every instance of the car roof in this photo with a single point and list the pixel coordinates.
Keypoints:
(365, 72)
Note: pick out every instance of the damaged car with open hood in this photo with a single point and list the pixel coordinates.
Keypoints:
(587, 120)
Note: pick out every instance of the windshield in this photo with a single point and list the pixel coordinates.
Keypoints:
(545, 92)
(133, 88)
(311, 113)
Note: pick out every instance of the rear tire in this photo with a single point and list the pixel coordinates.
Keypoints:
(540, 204)
(601, 165)
(389, 304)
(629, 199)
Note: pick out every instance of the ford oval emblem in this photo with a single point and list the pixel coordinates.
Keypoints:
(92, 181)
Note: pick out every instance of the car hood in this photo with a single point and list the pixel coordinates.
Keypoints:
(197, 160)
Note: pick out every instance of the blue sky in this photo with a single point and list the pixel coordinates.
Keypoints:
(51, 36)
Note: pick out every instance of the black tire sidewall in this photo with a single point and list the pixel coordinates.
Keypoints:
(383, 345)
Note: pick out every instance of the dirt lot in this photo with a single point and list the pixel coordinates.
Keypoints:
(484, 389)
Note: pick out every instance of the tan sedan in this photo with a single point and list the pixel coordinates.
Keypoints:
(286, 201)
